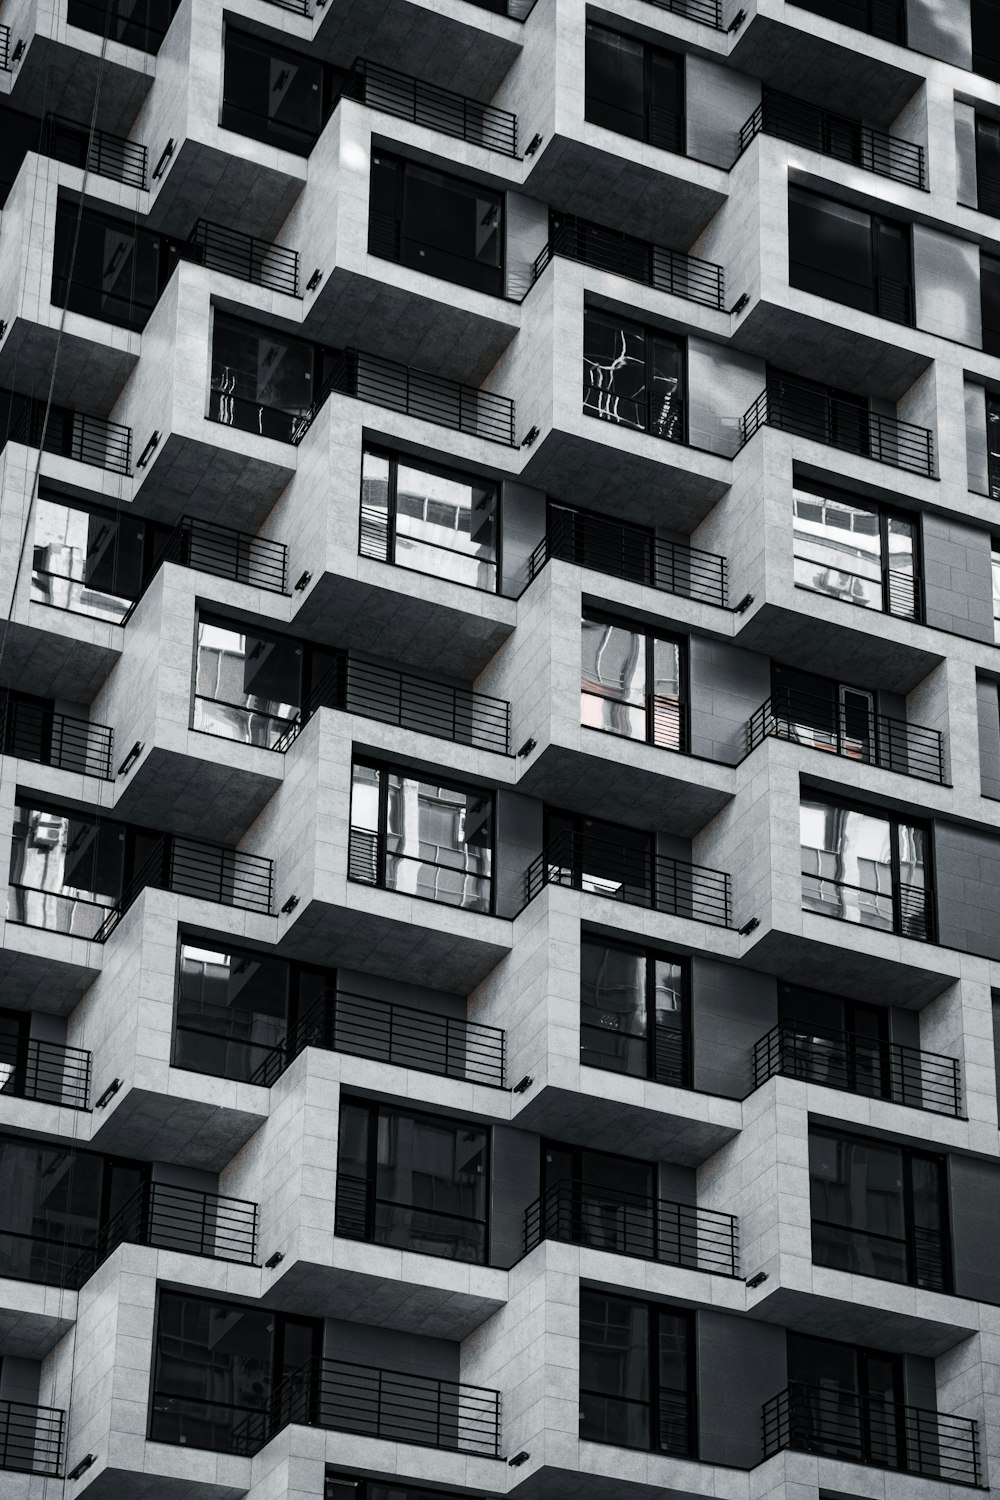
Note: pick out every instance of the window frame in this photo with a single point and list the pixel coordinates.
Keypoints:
(653, 1312)
(685, 1072)
(650, 52)
(876, 223)
(885, 515)
(649, 635)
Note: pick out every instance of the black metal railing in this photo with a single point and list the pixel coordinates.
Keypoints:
(96, 151)
(859, 1065)
(409, 702)
(988, 194)
(174, 1218)
(624, 551)
(31, 1438)
(707, 11)
(856, 734)
(907, 910)
(209, 547)
(841, 424)
(919, 1257)
(34, 731)
(661, 415)
(72, 434)
(885, 19)
(190, 867)
(409, 98)
(835, 135)
(432, 398)
(639, 260)
(48, 1072)
(5, 48)
(339, 1021)
(373, 1402)
(679, 1234)
(236, 253)
(872, 1430)
(666, 719)
(606, 868)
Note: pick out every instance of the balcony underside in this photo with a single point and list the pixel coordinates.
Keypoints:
(189, 1480)
(45, 971)
(74, 83)
(867, 1320)
(843, 956)
(177, 1127)
(90, 365)
(33, 1318)
(52, 657)
(663, 1129)
(861, 646)
(215, 480)
(229, 187)
(658, 487)
(212, 794)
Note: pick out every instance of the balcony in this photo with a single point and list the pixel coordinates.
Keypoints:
(439, 109)
(96, 151)
(657, 882)
(225, 552)
(841, 424)
(859, 1065)
(621, 1223)
(31, 730)
(5, 48)
(44, 1071)
(387, 1404)
(235, 253)
(70, 434)
(166, 1218)
(804, 124)
(631, 552)
(838, 729)
(907, 910)
(401, 1035)
(31, 1438)
(639, 260)
(839, 1424)
(709, 12)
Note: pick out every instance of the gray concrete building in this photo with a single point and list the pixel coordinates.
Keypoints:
(500, 697)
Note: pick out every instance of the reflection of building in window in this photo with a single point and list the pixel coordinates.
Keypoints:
(430, 519)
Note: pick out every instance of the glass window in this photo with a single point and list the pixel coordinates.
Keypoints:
(633, 375)
(437, 223)
(594, 1198)
(861, 867)
(995, 555)
(413, 1181)
(248, 685)
(262, 381)
(986, 38)
(988, 165)
(87, 561)
(993, 444)
(106, 268)
(631, 683)
(882, 18)
(844, 1401)
(634, 88)
(66, 870)
(216, 1364)
(426, 838)
(231, 1010)
(430, 519)
(849, 255)
(272, 93)
(133, 23)
(635, 1374)
(634, 1012)
(989, 274)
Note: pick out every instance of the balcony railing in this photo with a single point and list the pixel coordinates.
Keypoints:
(5, 48)
(709, 12)
(339, 1021)
(189, 867)
(859, 1065)
(839, 729)
(662, 416)
(236, 253)
(988, 194)
(623, 551)
(610, 1219)
(907, 910)
(872, 1430)
(639, 260)
(209, 547)
(834, 135)
(48, 1072)
(72, 434)
(605, 868)
(389, 1404)
(841, 424)
(175, 1218)
(96, 151)
(439, 109)
(34, 731)
(31, 1438)
(432, 398)
(885, 19)
(410, 702)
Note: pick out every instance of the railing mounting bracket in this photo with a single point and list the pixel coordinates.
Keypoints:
(109, 1093)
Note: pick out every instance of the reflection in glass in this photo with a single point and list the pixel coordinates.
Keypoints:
(634, 1374)
(429, 519)
(108, 268)
(860, 867)
(631, 683)
(231, 1010)
(633, 375)
(89, 562)
(852, 551)
(65, 871)
(993, 444)
(995, 555)
(262, 381)
(248, 685)
(634, 1014)
(275, 94)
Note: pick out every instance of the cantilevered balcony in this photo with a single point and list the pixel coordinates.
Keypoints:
(70, 434)
(837, 728)
(624, 1223)
(805, 124)
(388, 1404)
(98, 152)
(841, 424)
(622, 254)
(48, 1072)
(223, 551)
(31, 729)
(658, 882)
(859, 1065)
(839, 1424)
(409, 98)
(31, 1438)
(632, 552)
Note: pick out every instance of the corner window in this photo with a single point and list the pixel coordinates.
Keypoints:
(434, 222)
(430, 519)
(634, 88)
(275, 94)
(632, 682)
(232, 1011)
(633, 375)
(993, 444)
(846, 1402)
(866, 867)
(264, 381)
(881, 18)
(855, 551)
(850, 256)
(92, 562)
(636, 1374)
(133, 23)
(634, 1012)
(248, 685)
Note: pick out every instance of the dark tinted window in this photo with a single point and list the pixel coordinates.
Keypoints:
(636, 1389)
(437, 223)
(634, 88)
(118, 268)
(275, 94)
(986, 37)
(849, 255)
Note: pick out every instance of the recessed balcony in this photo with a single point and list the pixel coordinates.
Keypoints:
(838, 423)
(48, 1072)
(31, 1438)
(845, 139)
(858, 734)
